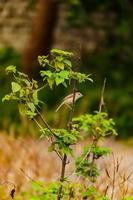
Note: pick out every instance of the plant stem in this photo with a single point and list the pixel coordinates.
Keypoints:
(64, 160)
(47, 137)
(102, 103)
(114, 178)
(45, 123)
(62, 176)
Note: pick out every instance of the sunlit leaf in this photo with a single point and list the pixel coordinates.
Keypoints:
(11, 69)
(15, 87)
(35, 97)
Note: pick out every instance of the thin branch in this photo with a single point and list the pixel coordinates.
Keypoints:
(30, 178)
(42, 87)
(114, 178)
(45, 123)
(64, 161)
(73, 106)
(58, 154)
(36, 122)
(102, 103)
(62, 176)
(47, 138)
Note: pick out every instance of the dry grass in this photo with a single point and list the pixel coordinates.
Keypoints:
(23, 159)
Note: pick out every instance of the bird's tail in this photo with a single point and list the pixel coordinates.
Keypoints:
(59, 107)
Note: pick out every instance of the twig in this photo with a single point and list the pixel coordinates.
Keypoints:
(47, 138)
(114, 178)
(45, 123)
(62, 176)
(30, 177)
(102, 103)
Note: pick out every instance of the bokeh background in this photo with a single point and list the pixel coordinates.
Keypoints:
(99, 32)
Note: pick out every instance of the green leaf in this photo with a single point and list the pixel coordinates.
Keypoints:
(64, 74)
(68, 62)
(61, 76)
(6, 98)
(30, 114)
(22, 93)
(22, 109)
(43, 61)
(22, 75)
(57, 52)
(59, 58)
(51, 82)
(15, 87)
(58, 80)
(59, 65)
(46, 73)
(35, 97)
(31, 106)
(80, 77)
(11, 69)
(65, 85)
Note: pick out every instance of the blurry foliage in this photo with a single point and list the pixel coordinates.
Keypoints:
(112, 57)
(7, 112)
(32, 3)
(39, 191)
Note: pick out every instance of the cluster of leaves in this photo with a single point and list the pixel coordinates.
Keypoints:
(118, 53)
(58, 69)
(71, 191)
(24, 91)
(85, 165)
(64, 139)
(97, 126)
(91, 193)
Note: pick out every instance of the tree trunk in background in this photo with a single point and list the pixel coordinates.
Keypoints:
(41, 36)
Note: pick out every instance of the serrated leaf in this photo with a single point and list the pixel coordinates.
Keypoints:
(15, 87)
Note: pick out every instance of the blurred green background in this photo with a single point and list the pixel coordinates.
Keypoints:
(100, 32)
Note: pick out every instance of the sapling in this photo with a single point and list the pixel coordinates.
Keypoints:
(58, 70)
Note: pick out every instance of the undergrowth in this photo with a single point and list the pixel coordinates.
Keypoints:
(58, 70)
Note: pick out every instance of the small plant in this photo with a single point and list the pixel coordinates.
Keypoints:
(58, 70)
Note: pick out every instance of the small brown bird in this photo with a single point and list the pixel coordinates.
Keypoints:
(68, 100)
